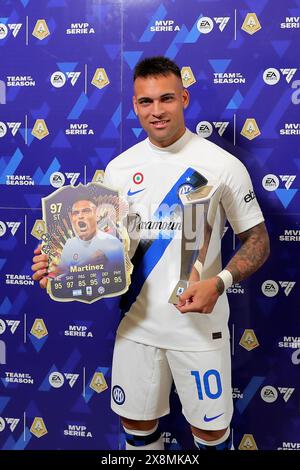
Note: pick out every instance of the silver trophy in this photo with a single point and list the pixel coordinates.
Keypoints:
(198, 217)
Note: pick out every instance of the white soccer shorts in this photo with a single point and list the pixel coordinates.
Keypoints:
(142, 377)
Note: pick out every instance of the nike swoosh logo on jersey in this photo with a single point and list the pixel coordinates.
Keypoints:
(207, 420)
(132, 193)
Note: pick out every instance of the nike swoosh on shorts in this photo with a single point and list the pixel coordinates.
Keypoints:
(207, 420)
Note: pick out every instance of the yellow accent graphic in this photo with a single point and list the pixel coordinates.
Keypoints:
(250, 129)
(100, 79)
(187, 76)
(41, 30)
(251, 24)
(38, 427)
(38, 229)
(98, 176)
(98, 382)
(39, 329)
(40, 129)
(249, 340)
(248, 443)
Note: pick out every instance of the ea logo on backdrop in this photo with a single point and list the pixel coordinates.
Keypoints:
(58, 79)
(205, 24)
(14, 27)
(2, 326)
(269, 394)
(13, 226)
(12, 422)
(205, 128)
(2, 228)
(272, 76)
(13, 126)
(3, 129)
(270, 288)
(270, 182)
(3, 31)
(57, 179)
(56, 379)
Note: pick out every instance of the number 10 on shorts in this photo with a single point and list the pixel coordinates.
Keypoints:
(209, 384)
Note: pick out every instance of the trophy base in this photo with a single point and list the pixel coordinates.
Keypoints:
(180, 287)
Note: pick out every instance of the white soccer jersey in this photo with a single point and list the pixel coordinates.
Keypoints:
(150, 177)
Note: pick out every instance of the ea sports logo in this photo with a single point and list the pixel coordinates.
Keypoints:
(270, 182)
(56, 379)
(271, 76)
(270, 288)
(118, 395)
(2, 327)
(269, 394)
(138, 178)
(204, 129)
(58, 79)
(3, 31)
(205, 25)
(2, 228)
(57, 179)
(3, 129)
(2, 424)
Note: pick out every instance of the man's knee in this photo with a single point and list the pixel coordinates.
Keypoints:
(212, 440)
(133, 424)
(208, 435)
(142, 435)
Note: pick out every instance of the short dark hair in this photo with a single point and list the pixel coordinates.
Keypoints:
(158, 65)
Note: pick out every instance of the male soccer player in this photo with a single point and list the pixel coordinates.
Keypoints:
(158, 342)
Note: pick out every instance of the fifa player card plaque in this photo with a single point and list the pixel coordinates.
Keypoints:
(199, 207)
(83, 234)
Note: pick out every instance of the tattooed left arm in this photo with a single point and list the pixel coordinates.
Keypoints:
(252, 254)
(203, 295)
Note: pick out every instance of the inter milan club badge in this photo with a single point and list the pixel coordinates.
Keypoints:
(83, 234)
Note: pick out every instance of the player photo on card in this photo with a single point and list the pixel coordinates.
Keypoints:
(86, 242)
